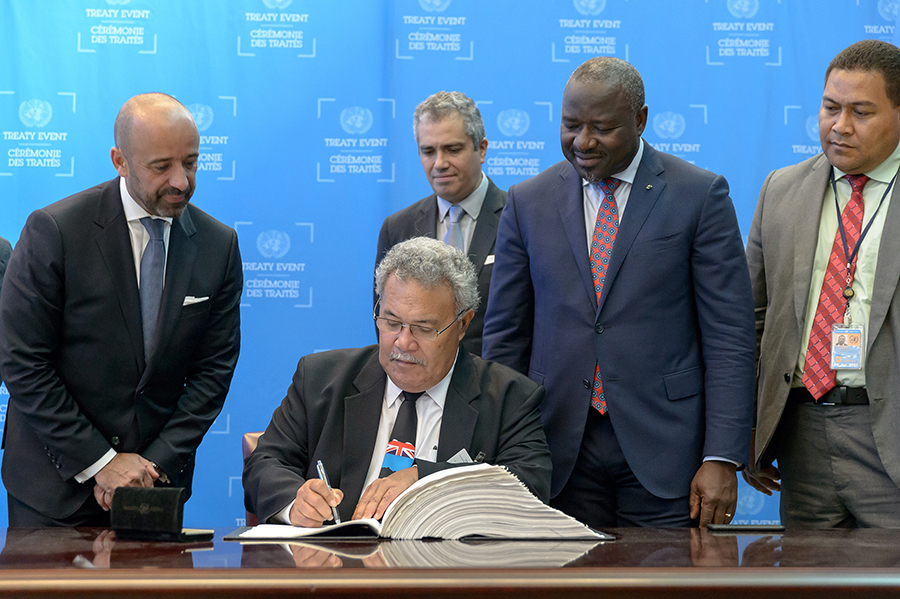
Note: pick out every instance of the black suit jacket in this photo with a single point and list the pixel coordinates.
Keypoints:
(5, 252)
(420, 219)
(72, 353)
(332, 410)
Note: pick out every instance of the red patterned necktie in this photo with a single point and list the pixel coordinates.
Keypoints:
(601, 251)
(818, 377)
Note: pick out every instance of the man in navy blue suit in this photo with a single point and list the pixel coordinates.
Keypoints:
(646, 343)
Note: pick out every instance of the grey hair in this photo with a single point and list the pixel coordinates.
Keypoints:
(431, 263)
(442, 105)
(610, 70)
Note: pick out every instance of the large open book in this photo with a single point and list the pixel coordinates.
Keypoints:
(469, 501)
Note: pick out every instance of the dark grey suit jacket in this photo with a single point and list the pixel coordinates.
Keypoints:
(420, 219)
(780, 251)
(71, 349)
(332, 410)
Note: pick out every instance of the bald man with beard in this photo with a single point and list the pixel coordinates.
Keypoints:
(119, 329)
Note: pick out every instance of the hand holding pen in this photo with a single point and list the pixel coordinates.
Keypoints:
(316, 502)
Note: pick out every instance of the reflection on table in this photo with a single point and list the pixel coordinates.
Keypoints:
(640, 562)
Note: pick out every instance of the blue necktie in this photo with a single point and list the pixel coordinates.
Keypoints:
(454, 234)
(152, 267)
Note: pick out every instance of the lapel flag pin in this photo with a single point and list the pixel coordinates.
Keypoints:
(649, 187)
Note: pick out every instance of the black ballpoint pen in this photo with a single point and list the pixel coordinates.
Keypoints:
(321, 469)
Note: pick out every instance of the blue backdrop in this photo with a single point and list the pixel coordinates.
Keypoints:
(305, 112)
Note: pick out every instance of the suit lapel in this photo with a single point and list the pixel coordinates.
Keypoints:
(114, 243)
(486, 227)
(459, 418)
(570, 201)
(179, 268)
(361, 410)
(887, 271)
(649, 183)
(426, 223)
(806, 214)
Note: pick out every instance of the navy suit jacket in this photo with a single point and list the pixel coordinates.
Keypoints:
(71, 348)
(420, 219)
(333, 408)
(673, 334)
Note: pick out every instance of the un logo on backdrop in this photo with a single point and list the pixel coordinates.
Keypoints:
(668, 125)
(35, 113)
(434, 5)
(273, 244)
(750, 504)
(743, 9)
(277, 3)
(590, 7)
(888, 9)
(812, 128)
(513, 122)
(117, 2)
(203, 115)
(356, 120)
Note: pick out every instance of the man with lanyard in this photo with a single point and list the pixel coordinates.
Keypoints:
(825, 273)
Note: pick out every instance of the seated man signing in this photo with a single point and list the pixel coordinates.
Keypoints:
(380, 417)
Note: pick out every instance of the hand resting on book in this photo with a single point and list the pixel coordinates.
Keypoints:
(383, 491)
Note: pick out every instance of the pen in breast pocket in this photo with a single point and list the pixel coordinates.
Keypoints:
(324, 477)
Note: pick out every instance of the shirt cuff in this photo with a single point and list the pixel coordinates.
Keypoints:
(716, 458)
(91, 471)
(284, 516)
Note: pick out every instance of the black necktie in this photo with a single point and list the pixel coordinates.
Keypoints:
(401, 450)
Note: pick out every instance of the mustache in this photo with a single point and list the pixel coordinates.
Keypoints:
(174, 191)
(400, 355)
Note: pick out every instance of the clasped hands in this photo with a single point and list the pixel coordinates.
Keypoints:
(314, 500)
(124, 470)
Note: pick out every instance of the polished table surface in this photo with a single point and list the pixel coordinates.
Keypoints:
(639, 563)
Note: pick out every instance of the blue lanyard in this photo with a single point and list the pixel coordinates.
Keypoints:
(851, 257)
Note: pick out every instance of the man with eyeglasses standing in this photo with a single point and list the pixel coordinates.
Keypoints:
(381, 417)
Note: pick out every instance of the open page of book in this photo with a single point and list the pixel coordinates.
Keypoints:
(478, 500)
(368, 528)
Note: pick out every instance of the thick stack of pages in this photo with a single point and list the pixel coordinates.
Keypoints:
(469, 501)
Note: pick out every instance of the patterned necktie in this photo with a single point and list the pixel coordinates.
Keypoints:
(152, 268)
(454, 234)
(601, 251)
(401, 449)
(818, 377)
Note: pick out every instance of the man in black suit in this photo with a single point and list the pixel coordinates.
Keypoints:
(450, 135)
(343, 405)
(120, 329)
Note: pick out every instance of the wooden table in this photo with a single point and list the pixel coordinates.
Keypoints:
(640, 563)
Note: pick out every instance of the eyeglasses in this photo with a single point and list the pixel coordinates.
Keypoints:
(420, 332)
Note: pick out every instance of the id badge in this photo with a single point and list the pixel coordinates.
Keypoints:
(847, 343)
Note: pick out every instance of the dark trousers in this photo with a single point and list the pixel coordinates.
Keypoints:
(831, 473)
(23, 516)
(603, 492)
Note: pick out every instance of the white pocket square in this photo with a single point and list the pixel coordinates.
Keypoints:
(190, 300)
(489, 260)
